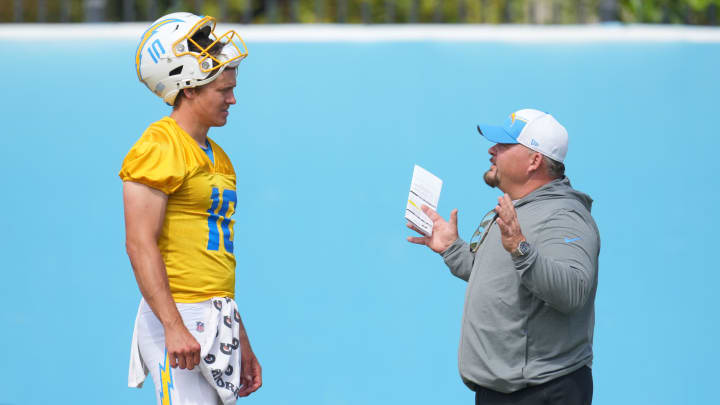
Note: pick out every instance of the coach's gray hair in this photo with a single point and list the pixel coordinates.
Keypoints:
(556, 169)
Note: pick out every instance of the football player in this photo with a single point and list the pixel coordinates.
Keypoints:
(179, 197)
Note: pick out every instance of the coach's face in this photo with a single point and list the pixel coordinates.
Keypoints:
(215, 98)
(509, 164)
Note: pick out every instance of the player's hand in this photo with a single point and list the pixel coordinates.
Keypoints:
(250, 373)
(444, 233)
(507, 221)
(182, 348)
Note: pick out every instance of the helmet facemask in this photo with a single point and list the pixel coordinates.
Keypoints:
(202, 43)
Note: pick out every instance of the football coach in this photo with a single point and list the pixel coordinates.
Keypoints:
(532, 271)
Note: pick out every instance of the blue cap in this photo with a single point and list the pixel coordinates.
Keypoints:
(535, 129)
(507, 133)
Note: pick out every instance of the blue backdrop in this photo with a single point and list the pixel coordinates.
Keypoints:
(339, 307)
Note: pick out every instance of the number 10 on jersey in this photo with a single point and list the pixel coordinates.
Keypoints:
(228, 196)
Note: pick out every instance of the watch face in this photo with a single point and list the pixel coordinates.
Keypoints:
(524, 248)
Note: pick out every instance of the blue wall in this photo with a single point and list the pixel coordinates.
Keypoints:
(339, 307)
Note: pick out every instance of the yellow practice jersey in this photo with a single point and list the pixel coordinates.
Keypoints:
(197, 236)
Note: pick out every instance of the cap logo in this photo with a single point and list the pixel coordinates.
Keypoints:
(514, 125)
(533, 142)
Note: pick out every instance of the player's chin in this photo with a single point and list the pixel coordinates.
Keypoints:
(221, 120)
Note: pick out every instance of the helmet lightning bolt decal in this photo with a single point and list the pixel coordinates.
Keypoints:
(166, 382)
(148, 33)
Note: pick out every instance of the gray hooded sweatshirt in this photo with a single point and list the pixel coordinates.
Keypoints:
(530, 320)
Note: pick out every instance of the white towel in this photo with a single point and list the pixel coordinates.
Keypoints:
(219, 352)
(138, 370)
(220, 355)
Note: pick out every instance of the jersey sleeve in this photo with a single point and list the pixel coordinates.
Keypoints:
(155, 161)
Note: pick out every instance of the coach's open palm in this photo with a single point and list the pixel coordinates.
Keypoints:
(444, 232)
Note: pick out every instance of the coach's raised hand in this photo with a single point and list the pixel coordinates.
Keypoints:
(444, 233)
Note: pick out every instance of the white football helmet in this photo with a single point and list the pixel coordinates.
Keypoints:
(181, 50)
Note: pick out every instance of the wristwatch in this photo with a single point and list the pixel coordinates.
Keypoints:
(522, 249)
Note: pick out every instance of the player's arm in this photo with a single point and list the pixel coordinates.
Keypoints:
(250, 370)
(144, 216)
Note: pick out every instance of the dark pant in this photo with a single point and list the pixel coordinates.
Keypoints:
(575, 388)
